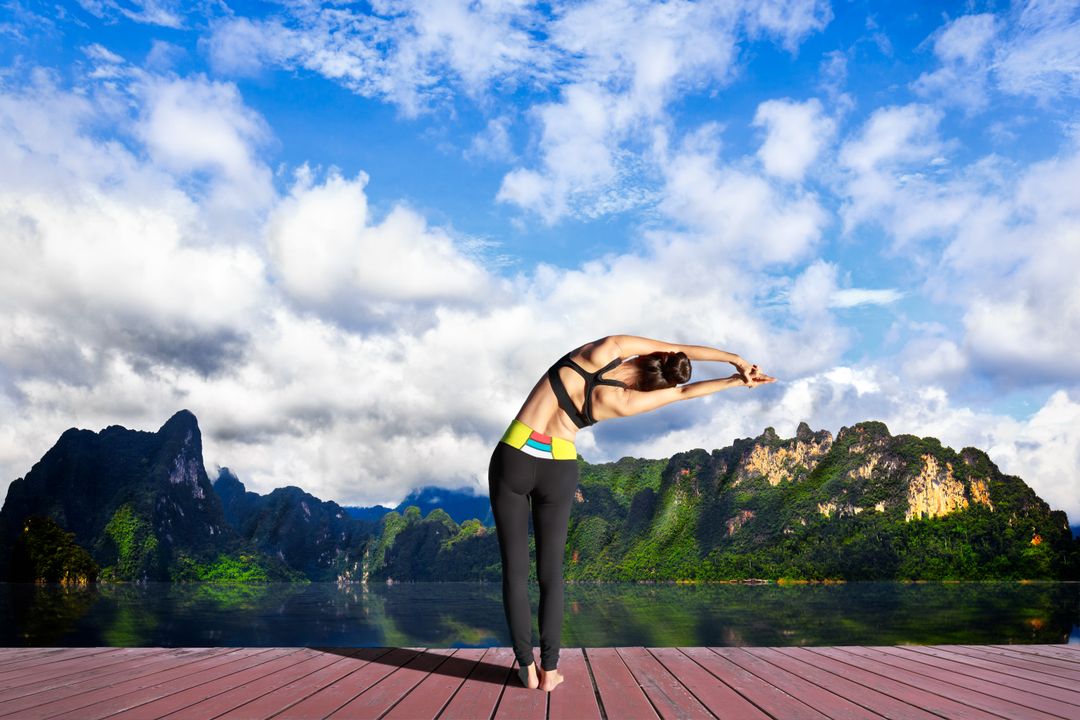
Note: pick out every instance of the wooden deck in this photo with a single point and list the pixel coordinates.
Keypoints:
(905, 682)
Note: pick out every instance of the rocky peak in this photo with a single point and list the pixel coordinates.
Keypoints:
(864, 431)
(784, 460)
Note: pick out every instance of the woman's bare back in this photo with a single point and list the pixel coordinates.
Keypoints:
(541, 409)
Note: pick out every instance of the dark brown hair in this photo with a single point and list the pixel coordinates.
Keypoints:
(660, 370)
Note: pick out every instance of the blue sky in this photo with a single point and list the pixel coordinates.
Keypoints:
(313, 224)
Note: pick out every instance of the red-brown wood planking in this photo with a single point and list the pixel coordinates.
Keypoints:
(916, 682)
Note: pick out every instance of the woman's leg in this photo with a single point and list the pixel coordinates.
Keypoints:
(511, 474)
(552, 497)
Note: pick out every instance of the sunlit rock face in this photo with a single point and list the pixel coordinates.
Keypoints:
(787, 461)
(936, 490)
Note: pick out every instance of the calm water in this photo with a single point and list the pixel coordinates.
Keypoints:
(597, 615)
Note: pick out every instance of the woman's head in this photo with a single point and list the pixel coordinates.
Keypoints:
(660, 370)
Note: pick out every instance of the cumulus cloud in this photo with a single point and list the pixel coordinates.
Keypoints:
(737, 213)
(795, 134)
(330, 255)
(104, 252)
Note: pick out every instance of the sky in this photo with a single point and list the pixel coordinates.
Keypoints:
(351, 237)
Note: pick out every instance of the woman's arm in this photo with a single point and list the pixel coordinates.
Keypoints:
(633, 402)
(634, 345)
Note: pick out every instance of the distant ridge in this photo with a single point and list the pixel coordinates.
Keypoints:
(124, 505)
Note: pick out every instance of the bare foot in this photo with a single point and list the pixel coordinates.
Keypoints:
(528, 676)
(549, 679)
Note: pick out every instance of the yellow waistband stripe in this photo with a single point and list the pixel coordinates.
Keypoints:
(523, 437)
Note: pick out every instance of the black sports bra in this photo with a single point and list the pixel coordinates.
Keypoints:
(582, 418)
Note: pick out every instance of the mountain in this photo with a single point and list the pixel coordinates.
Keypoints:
(865, 505)
(313, 536)
(138, 502)
(132, 505)
(1075, 529)
(460, 505)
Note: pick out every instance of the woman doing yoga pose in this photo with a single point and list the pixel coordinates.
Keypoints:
(615, 376)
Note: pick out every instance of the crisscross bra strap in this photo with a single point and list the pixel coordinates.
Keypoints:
(584, 417)
(560, 390)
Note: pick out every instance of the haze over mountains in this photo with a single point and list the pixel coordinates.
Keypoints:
(126, 504)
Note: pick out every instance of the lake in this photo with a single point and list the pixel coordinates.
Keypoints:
(470, 614)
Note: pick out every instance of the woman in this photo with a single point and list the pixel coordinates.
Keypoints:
(536, 459)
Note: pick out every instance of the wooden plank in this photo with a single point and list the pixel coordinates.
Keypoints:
(479, 694)
(13, 655)
(275, 691)
(717, 696)
(1070, 653)
(178, 681)
(61, 672)
(232, 685)
(334, 682)
(575, 697)
(427, 699)
(1004, 671)
(132, 672)
(869, 674)
(978, 693)
(835, 706)
(321, 698)
(519, 702)
(1037, 660)
(879, 702)
(765, 695)
(377, 699)
(909, 682)
(669, 697)
(620, 695)
(32, 667)
(1043, 692)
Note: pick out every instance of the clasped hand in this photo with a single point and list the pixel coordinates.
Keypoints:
(751, 375)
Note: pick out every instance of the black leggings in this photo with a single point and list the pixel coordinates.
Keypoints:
(515, 477)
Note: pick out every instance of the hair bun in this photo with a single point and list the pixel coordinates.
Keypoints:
(676, 368)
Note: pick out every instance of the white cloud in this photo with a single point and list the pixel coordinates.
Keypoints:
(853, 297)
(964, 47)
(795, 135)
(613, 66)
(1041, 58)
(493, 143)
(330, 255)
(152, 12)
(1032, 49)
(193, 125)
(401, 55)
(739, 215)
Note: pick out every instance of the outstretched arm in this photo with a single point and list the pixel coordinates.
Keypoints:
(634, 345)
(634, 402)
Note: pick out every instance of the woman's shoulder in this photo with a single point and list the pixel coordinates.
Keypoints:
(597, 353)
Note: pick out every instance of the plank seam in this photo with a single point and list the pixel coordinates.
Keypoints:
(678, 680)
(595, 688)
(417, 684)
(352, 653)
(730, 686)
(875, 688)
(934, 676)
(800, 663)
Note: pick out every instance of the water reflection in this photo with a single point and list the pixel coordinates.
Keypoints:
(597, 615)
